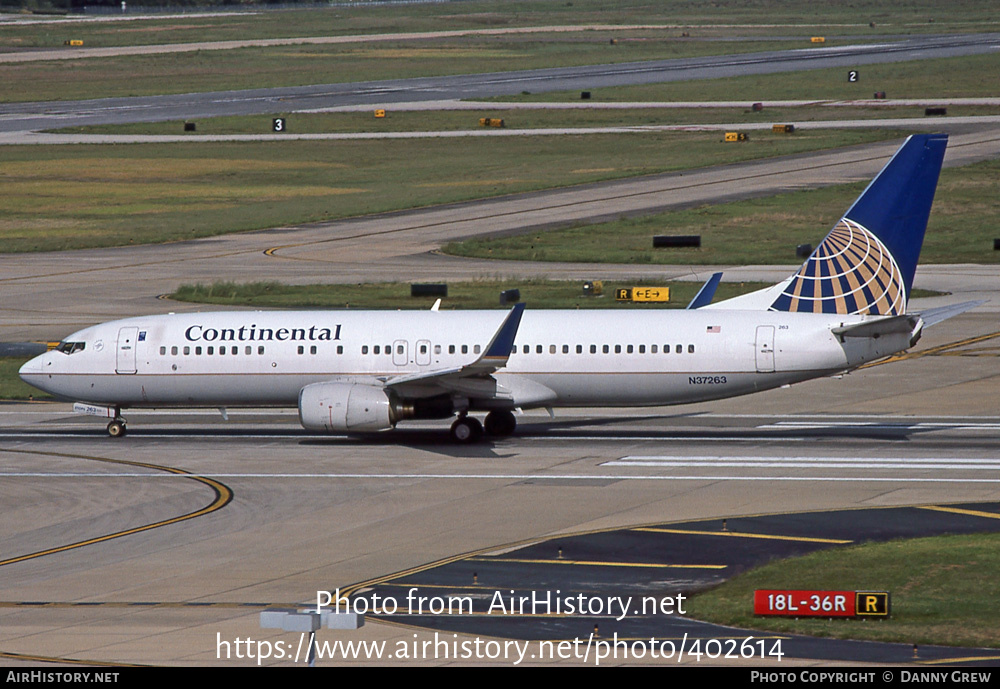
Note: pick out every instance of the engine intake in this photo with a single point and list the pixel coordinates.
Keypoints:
(334, 407)
(356, 407)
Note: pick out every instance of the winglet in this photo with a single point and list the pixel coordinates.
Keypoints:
(706, 293)
(494, 358)
(503, 341)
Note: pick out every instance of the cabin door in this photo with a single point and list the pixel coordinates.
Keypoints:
(126, 350)
(765, 349)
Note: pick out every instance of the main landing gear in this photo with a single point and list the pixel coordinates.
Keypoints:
(467, 429)
(117, 428)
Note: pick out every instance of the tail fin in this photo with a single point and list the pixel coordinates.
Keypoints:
(866, 264)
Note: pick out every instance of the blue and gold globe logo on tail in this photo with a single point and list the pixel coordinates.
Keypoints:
(851, 272)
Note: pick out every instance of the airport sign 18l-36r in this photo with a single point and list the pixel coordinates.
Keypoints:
(791, 603)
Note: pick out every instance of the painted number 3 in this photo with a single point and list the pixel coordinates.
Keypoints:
(278, 124)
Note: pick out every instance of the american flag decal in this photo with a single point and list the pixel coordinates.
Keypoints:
(714, 329)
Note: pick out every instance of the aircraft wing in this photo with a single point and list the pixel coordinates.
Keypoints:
(475, 374)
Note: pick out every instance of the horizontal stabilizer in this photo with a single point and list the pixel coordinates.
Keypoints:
(943, 313)
(892, 325)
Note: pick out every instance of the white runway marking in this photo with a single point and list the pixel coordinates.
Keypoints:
(872, 463)
(891, 425)
(495, 477)
(695, 435)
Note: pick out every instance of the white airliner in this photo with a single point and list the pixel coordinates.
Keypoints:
(363, 371)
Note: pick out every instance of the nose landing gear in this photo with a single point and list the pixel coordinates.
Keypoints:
(117, 428)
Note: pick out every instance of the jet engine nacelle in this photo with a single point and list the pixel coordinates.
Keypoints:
(342, 407)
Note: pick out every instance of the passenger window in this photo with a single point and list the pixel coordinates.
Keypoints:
(222, 351)
(552, 349)
(340, 349)
(376, 350)
(364, 349)
(642, 349)
(210, 351)
(197, 351)
(476, 349)
(629, 349)
(679, 349)
(163, 351)
(249, 350)
(451, 349)
(593, 349)
(690, 349)
(653, 349)
(187, 350)
(437, 349)
(606, 349)
(423, 349)
(579, 349)
(465, 349)
(527, 349)
(618, 349)
(538, 349)
(235, 350)
(400, 349)
(173, 351)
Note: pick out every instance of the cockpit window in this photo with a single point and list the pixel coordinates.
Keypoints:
(71, 347)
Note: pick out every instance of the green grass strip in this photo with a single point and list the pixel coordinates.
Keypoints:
(945, 590)
(961, 229)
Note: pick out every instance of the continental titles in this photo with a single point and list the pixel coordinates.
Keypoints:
(252, 333)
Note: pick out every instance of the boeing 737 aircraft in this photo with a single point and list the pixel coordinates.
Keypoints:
(363, 371)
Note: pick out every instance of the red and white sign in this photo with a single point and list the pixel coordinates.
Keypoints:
(804, 603)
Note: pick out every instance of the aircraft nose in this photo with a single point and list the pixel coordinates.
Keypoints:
(30, 368)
